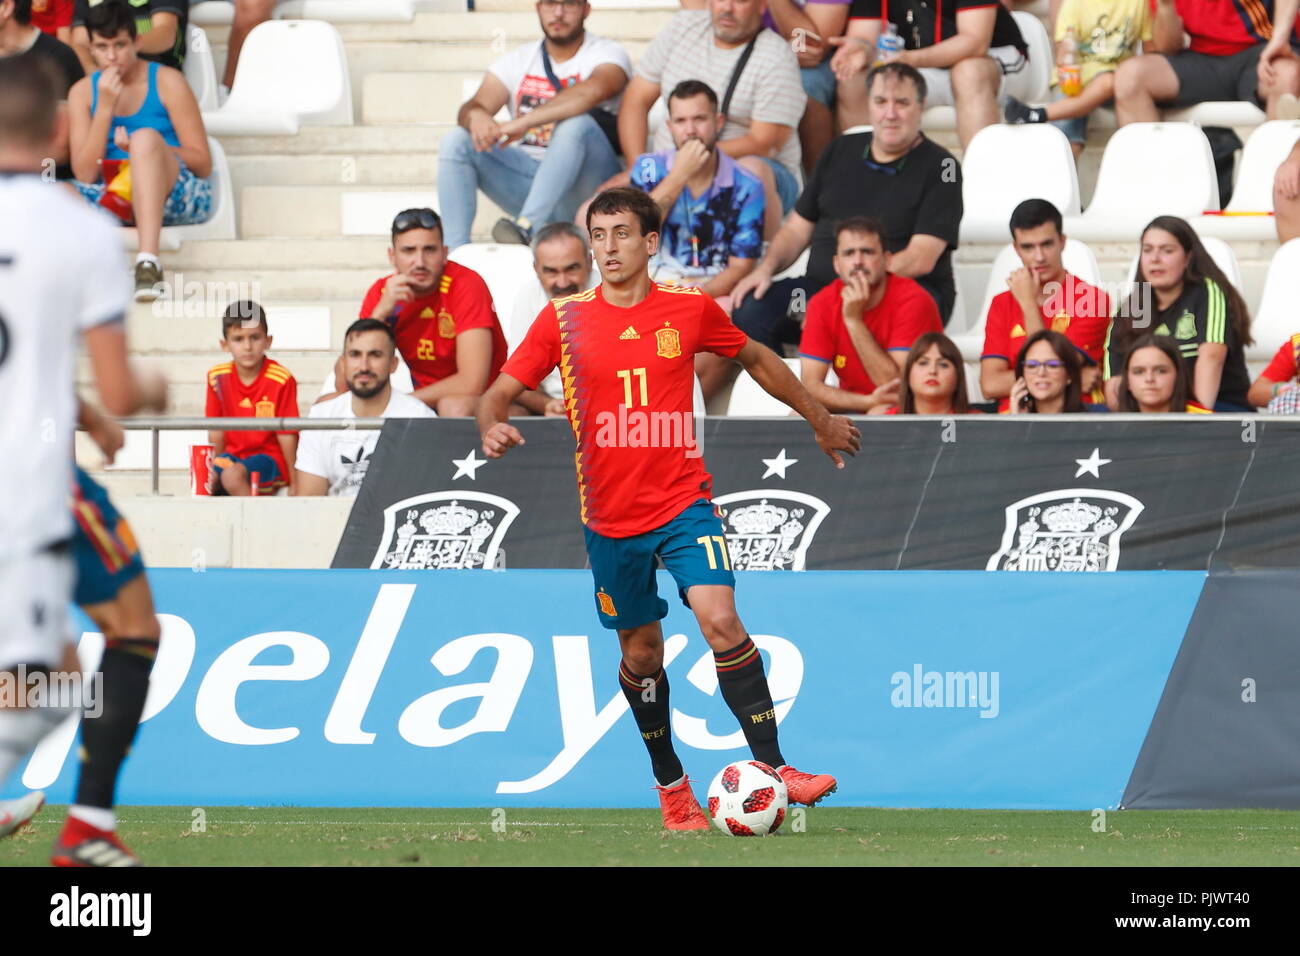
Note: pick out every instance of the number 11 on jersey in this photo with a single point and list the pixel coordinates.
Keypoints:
(626, 375)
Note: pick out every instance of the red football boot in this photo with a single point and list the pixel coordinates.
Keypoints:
(806, 788)
(680, 808)
(81, 844)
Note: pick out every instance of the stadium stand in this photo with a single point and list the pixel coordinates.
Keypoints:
(1005, 165)
(290, 73)
(220, 225)
(308, 205)
(1276, 319)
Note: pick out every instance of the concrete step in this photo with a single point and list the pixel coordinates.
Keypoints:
(237, 255)
(316, 211)
(321, 169)
(408, 97)
(199, 331)
(299, 284)
(347, 140)
(191, 368)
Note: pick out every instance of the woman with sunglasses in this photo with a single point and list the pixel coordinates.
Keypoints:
(1048, 373)
(1155, 378)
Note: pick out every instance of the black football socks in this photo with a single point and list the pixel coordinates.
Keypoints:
(744, 688)
(106, 739)
(648, 697)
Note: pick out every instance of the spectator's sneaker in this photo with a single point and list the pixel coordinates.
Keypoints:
(1015, 111)
(806, 788)
(509, 233)
(81, 844)
(147, 279)
(15, 813)
(680, 809)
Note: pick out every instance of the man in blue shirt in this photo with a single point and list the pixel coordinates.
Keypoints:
(713, 209)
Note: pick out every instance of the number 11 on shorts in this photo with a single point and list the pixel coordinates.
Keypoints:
(707, 541)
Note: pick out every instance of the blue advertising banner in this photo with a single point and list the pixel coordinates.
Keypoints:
(477, 688)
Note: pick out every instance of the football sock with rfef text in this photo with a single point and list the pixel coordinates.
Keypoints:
(648, 697)
(744, 688)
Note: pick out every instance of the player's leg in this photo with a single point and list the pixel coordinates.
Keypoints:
(695, 552)
(627, 601)
(34, 593)
(114, 592)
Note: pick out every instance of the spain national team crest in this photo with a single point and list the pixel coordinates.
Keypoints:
(770, 529)
(606, 604)
(1072, 529)
(446, 529)
(446, 325)
(668, 342)
(264, 409)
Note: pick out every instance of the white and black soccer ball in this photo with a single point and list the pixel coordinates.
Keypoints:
(748, 798)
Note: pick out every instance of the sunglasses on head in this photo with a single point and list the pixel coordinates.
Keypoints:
(416, 219)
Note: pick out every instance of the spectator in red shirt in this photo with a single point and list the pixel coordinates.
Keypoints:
(53, 17)
(1042, 295)
(934, 380)
(1280, 377)
(1236, 50)
(442, 316)
(863, 323)
(1047, 376)
(250, 385)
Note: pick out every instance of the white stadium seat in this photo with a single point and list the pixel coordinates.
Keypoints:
(291, 73)
(1277, 320)
(212, 13)
(347, 11)
(1217, 113)
(1078, 260)
(200, 70)
(1248, 210)
(1148, 170)
(504, 268)
(220, 225)
(1005, 165)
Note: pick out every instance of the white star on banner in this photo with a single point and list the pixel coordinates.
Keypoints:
(778, 465)
(467, 466)
(1091, 465)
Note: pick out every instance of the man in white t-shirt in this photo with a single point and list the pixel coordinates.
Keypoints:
(335, 462)
(562, 263)
(563, 153)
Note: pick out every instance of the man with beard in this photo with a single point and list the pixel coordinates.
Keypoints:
(441, 314)
(863, 323)
(335, 462)
(712, 208)
(562, 95)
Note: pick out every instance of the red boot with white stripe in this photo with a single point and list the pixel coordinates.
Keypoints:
(81, 844)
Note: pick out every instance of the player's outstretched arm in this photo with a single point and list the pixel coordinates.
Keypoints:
(834, 433)
(499, 436)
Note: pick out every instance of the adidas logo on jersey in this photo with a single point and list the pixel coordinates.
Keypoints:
(628, 334)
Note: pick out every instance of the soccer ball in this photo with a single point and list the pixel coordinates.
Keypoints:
(747, 798)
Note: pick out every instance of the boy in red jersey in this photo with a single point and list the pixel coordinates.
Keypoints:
(626, 350)
(250, 386)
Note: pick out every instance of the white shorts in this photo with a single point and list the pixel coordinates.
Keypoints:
(35, 592)
(1016, 79)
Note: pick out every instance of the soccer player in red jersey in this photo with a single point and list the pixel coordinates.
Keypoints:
(251, 385)
(442, 316)
(626, 352)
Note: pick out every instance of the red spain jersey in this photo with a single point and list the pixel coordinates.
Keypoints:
(629, 380)
(1080, 311)
(273, 394)
(904, 313)
(1224, 27)
(1283, 367)
(426, 328)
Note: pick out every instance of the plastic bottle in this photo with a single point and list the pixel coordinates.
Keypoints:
(1067, 70)
(889, 44)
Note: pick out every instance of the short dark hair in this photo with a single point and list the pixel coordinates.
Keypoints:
(1033, 213)
(899, 71)
(23, 12)
(421, 217)
(245, 314)
(29, 99)
(110, 18)
(370, 325)
(627, 199)
(861, 224)
(688, 88)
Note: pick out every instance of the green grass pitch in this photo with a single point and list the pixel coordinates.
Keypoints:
(830, 836)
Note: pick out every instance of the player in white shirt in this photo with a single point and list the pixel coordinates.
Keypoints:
(556, 117)
(335, 462)
(61, 280)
